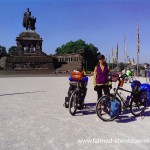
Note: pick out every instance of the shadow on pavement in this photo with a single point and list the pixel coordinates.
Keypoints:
(88, 110)
(124, 118)
(9, 94)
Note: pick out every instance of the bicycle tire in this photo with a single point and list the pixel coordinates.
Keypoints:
(103, 102)
(73, 103)
(137, 108)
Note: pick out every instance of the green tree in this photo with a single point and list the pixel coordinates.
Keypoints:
(71, 47)
(2, 51)
(90, 56)
(12, 50)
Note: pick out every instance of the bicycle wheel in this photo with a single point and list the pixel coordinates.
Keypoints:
(73, 102)
(104, 108)
(137, 107)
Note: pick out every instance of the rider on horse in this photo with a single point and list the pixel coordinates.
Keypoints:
(28, 21)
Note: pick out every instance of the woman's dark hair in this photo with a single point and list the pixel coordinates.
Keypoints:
(101, 57)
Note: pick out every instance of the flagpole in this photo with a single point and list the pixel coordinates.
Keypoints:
(117, 54)
(124, 48)
(112, 58)
(109, 60)
(138, 48)
(137, 64)
(106, 58)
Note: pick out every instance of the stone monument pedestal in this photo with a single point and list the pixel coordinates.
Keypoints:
(29, 43)
(29, 54)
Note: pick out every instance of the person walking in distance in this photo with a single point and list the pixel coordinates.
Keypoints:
(129, 74)
(100, 77)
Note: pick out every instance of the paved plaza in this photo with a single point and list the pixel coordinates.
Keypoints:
(32, 117)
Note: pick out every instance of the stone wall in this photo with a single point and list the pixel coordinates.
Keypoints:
(3, 62)
(28, 63)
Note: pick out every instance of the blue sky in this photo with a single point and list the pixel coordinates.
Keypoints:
(100, 22)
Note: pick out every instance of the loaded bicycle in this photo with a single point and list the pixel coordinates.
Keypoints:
(76, 93)
(110, 106)
(77, 97)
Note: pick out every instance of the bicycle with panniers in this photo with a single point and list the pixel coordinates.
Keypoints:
(77, 92)
(110, 106)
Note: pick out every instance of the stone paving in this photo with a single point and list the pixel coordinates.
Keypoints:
(32, 117)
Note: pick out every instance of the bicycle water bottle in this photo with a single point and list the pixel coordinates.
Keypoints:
(127, 100)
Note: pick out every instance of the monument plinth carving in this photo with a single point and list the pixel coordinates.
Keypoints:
(29, 43)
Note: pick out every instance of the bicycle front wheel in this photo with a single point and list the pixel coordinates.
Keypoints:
(73, 103)
(108, 108)
(137, 107)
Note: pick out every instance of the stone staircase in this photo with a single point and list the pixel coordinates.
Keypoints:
(69, 66)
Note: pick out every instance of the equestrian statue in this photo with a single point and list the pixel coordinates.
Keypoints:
(28, 21)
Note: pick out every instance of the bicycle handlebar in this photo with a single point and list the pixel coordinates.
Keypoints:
(122, 76)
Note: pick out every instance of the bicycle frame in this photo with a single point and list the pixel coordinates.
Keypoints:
(116, 93)
(121, 98)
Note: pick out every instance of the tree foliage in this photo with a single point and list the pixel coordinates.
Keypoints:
(112, 66)
(90, 52)
(2, 51)
(12, 50)
(71, 47)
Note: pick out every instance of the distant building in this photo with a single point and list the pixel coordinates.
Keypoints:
(133, 62)
(67, 62)
(145, 65)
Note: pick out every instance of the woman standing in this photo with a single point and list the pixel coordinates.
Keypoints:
(101, 77)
